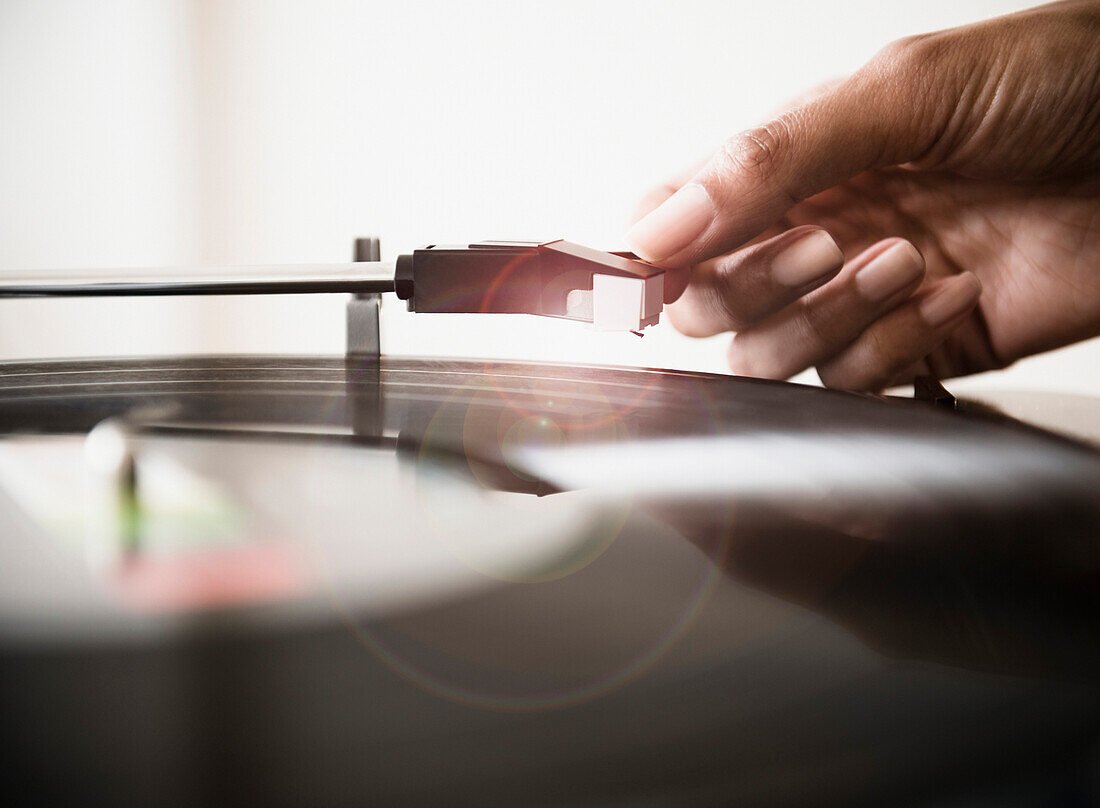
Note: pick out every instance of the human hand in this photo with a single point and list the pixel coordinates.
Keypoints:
(938, 211)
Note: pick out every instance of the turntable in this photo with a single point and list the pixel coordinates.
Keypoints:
(400, 581)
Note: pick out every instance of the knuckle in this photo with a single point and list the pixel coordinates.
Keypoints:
(813, 329)
(879, 354)
(722, 301)
(895, 52)
(911, 61)
(756, 152)
(903, 53)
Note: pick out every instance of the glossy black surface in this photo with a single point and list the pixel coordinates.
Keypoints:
(893, 640)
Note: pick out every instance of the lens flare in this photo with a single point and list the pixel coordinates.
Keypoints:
(477, 432)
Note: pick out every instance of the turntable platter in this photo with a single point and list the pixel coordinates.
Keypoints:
(423, 581)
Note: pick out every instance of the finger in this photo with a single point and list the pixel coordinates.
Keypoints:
(818, 326)
(744, 287)
(904, 336)
(654, 198)
(675, 281)
(876, 118)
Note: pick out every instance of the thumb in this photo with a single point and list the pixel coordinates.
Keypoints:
(877, 118)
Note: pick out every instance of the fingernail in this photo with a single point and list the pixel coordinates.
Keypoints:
(808, 259)
(890, 272)
(673, 225)
(950, 300)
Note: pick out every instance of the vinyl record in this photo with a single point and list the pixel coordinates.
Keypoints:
(268, 580)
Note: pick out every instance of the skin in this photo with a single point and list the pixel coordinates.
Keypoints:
(978, 145)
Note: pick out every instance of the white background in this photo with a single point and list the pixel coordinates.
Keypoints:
(142, 132)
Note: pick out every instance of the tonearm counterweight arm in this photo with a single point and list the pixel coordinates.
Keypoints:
(614, 291)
